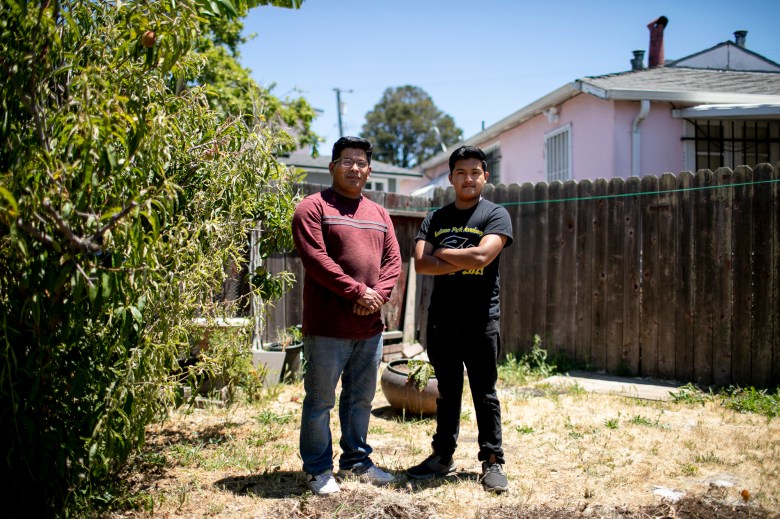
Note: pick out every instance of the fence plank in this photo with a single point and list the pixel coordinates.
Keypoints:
(555, 289)
(665, 274)
(775, 283)
(525, 246)
(684, 293)
(764, 304)
(648, 315)
(599, 273)
(723, 287)
(511, 271)
(631, 277)
(704, 254)
(540, 223)
(568, 268)
(614, 279)
(742, 321)
(584, 272)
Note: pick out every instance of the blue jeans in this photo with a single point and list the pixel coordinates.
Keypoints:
(357, 363)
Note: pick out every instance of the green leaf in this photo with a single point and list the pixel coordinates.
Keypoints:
(10, 199)
(229, 7)
(93, 291)
(106, 283)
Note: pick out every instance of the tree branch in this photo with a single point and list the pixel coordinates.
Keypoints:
(76, 242)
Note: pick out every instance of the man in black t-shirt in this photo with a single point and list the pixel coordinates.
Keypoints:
(460, 244)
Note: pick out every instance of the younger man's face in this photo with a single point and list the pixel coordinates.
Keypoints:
(468, 178)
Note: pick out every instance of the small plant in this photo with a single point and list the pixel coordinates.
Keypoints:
(689, 394)
(420, 371)
(710, 457)
(531, 365)
(524, 429)
(266, 417)
(289, 336)
(537, 359)
(642, 420)
(611, 423)
(752, 400)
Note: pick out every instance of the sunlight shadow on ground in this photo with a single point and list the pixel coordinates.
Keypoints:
(274, 485)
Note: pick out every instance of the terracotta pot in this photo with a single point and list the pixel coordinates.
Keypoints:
(402, 393)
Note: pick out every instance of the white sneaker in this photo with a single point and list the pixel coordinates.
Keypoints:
(373, 475)
(323, 484)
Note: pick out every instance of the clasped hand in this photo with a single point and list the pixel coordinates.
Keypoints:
(368, 303)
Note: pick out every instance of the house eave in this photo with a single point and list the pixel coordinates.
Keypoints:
(675, 96)
(729, 111)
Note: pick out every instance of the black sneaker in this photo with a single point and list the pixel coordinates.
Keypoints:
(493, 477)
(433, 466)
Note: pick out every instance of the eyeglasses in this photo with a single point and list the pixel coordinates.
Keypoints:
(348, 163)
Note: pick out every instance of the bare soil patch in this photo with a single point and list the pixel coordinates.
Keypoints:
(570, 453)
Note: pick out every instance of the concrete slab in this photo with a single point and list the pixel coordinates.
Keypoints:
(647, 389)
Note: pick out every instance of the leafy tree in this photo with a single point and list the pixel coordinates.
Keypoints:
(125, 188)
(407, 128)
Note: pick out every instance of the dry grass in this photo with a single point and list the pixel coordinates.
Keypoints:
(569, 454)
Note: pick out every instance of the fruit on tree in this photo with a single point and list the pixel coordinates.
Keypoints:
(148, 39)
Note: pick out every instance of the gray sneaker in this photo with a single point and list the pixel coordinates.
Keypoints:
(372, 474)
(433, 466)
(493, 478)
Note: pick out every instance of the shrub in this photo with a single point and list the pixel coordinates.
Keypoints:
(125, 190)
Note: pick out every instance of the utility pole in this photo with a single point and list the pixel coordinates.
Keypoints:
(339, 107)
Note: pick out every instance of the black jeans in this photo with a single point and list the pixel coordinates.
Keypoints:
(452, 344)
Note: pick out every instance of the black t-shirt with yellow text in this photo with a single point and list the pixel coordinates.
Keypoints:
(474, 292)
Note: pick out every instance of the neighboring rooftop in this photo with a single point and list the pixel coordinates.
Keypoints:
(302, 159)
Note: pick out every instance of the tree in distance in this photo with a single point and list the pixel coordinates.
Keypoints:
(407, 129)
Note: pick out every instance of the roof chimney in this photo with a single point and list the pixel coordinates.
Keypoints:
(739, 38)
(638, 62)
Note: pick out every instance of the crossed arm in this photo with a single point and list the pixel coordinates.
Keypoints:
(446, 261)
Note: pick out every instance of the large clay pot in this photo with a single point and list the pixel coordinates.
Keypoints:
(402, 393)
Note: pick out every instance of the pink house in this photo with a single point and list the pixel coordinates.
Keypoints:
(718, 107)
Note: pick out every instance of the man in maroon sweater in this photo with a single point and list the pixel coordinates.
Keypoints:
(351, 257)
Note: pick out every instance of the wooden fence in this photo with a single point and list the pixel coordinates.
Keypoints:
(674, 277)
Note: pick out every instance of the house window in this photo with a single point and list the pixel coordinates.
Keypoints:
(376, 185)
(493, 159)
(712, 144)
(557, 154)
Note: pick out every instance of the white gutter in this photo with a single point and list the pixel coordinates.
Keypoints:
(636, 137)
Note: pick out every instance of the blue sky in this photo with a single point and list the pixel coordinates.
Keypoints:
(479, 61)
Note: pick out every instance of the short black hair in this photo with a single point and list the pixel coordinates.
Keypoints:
(352, 142)
(663, 20)
(467, 152)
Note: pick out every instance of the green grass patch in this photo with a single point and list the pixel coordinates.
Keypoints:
(752, 400)
(642, 420)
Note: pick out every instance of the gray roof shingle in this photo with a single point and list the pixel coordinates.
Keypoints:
(681, 79)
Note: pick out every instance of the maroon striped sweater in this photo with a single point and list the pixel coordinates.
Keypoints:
(345, 245)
